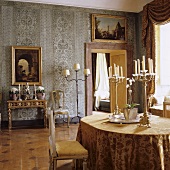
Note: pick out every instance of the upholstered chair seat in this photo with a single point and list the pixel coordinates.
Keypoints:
(64, 150)
(76, 149)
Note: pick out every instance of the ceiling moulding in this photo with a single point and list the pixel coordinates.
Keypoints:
(117, 5)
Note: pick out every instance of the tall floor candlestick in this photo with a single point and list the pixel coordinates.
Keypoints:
(66, 74)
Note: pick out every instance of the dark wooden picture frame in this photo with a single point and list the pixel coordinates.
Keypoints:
(108, 28)
(26, 65)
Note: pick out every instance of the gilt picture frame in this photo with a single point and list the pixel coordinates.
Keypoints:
(108, 28)
(26, 65)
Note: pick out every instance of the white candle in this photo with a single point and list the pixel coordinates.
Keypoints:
(117, 71)
(143, 63)
(149, 65)
(86, 72)
(135, 66)
(138, 61)
(34, 89)
(77, 67)
(121, 71)
(110, 71)
(66, 72)
(143, 66)
(114, 65)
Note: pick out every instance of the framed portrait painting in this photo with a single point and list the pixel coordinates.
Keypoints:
(26, 65)
(108, 28)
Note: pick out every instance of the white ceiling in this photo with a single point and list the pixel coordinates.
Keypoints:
(117, 5)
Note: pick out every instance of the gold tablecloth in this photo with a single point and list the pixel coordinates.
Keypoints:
(114, 146)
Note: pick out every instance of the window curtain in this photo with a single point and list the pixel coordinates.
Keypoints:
(155, 12)
(102, 81)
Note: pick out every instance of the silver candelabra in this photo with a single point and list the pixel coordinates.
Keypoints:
(116, 80)
(144, 77)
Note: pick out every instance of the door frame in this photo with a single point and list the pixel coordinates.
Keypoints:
(92, 47)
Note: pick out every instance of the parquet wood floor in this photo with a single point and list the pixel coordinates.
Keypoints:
(27, 148)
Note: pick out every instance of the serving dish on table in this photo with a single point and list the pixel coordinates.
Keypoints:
(121, 119)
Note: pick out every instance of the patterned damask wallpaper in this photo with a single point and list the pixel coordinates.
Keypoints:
(61, 32)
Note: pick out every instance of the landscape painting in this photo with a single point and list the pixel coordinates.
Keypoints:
(108, 28)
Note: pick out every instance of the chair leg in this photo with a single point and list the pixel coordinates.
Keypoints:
(68, 120)
(73, 164)
(84, 164)
(50, 161)
(54, 164)
(63, 119)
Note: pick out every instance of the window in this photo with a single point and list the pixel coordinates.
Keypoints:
(165, 54)
(163, 59)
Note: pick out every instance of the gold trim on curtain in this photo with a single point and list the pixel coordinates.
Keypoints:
(155, 12)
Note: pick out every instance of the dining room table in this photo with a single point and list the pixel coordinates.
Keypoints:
(118, 145)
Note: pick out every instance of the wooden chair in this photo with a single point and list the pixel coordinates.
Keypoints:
(166, 109)
(58, 105)
(64, 150)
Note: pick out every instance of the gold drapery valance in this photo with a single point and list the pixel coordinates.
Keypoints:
(155, 12)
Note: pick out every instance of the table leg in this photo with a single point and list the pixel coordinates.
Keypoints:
(45, 117)
(9, 119)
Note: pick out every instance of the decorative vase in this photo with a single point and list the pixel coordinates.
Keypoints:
(40, 96)
(126, 113)
(10, 96)
(14, 96)
(130, 114)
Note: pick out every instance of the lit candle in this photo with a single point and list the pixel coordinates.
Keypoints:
(77, 67)
(138, 66)
(135, 66)
(86, 72)
(143, 63)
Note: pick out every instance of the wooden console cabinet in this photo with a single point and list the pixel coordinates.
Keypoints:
(12, 104)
